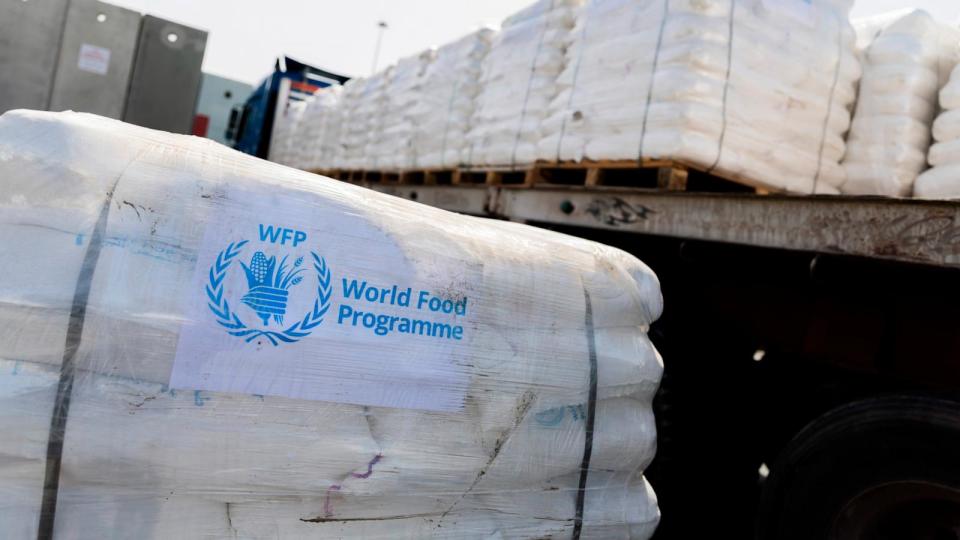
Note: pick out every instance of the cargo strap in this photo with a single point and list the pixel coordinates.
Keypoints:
(526, 95)
(446, 122)
(653, 74)
(591, 416)
(61, 407)
(726, 88)
(573, 84)
(826, 117)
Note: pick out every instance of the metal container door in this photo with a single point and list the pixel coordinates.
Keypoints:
(96, 58)
(166, 76)
(30, 33)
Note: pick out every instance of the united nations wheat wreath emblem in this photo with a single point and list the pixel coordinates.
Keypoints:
(274, 275)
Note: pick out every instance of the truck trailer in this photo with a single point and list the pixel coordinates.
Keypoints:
(812, 383)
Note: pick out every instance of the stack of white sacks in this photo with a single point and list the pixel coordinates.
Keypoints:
(396, 148)
(142, 459)
(287, 142)
(347, 138)
(444, 108)
(758, 89)
(905, 64)
(942, 181)
(357, 114)
(318, 129)
(374, 110)
(518, 82)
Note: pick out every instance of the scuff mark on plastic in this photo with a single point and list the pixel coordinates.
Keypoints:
(328, 503)
(198, 399)
(131, 205)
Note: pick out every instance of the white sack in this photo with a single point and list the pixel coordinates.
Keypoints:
(320, 129)
(616, 506)
(905, 66)
(518, 82)
(757, 89)
(443, 111)
(396, 148)
(943, 180)
(284, 146)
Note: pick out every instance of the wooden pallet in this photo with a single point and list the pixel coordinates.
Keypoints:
(497, 176)
(329, 173)
(339, 174)
(660, 174)
(433, 177)
(406, 177)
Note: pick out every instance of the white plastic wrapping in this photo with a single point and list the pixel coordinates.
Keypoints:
(445, 105)
(758, 89)
(905, 66)
(518, 82)
(212, 397)
(942, 180)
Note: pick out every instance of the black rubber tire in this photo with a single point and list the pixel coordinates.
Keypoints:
(834, 466)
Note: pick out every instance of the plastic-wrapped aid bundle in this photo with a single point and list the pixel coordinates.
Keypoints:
(239, 348)
(360, 108)
(905, 66)
(442, 114)
(518, 82)
(619, 506)
(284, 148)
(321, 129)
(942, 180)
(374, 110)
(344, 140)
(396, 148)
(753, 89)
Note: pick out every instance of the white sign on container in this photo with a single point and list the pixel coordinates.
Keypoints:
(94, 59)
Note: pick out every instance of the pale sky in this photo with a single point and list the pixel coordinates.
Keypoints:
(247, 35)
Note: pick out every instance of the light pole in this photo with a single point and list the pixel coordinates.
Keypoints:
(382, 25)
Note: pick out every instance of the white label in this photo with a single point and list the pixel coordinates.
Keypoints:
(306, 300)
(94, 59)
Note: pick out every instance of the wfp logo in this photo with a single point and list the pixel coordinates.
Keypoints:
(270, 288)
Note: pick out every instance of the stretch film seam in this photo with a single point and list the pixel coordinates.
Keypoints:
(446, 123)
(526, 96)
(61, 407)
(573, 86)
(826, 120)
(653, 73)
(726, 87)
(591, 417)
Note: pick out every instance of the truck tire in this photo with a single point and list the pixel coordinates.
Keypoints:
(886, 468)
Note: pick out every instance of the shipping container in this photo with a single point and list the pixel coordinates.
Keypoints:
(166, 76)
(96, 58)
(29, 42)
(218, 98)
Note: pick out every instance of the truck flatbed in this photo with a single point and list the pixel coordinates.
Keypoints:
(907, 230)
(811, 351)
